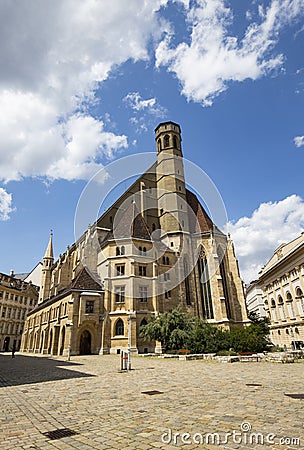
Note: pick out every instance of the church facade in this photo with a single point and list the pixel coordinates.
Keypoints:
(155, 248)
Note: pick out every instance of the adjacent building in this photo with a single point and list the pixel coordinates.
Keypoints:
(155, 248)
(282, 281)
(17, 299)
(254, 299)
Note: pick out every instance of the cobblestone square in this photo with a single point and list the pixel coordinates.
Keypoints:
(199, 404)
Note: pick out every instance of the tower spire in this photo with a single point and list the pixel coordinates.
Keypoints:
(49, 250)
(48, 261)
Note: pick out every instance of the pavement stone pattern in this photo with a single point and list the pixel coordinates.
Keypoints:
(107, 409)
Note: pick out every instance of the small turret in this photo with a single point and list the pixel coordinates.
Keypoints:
(48, 261)
(168, 138)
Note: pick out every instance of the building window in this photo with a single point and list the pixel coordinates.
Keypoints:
(9, 313)
(143, 323)
(166, 276)
(159, 145)
(119, 328)
(117, 251)
(205, 288)
(166, 141)
(167, 294)
(172, 244)
(89, 308)
(122, 250)
(120, 270)
(174, 142)
(140, 250)
(142, 271)
(143, 293)
(3, 311)
(223, 272)
(120, 294)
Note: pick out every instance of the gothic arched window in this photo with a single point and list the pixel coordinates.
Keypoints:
(223, 273)
(143, 322)
(166, 141)
(205, 289)
(159, 145)
(119, 328)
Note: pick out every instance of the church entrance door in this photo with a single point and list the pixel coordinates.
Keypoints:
(85, 343)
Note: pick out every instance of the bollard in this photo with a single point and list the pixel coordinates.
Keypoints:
(123, 361)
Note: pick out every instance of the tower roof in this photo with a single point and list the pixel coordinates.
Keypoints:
(169, 122)
(49, 251)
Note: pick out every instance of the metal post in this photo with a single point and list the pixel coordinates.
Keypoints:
(129, 341)
(70, 325)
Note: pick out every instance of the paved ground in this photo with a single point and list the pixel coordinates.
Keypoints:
(108, 409)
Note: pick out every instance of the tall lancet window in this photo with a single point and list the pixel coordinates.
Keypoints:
(223, 273)
(205, 290)
(166, 141)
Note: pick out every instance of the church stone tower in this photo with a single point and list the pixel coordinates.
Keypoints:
(48, 261)
(170, 179)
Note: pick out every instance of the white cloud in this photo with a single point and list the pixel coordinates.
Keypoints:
(53, 56)
(142, 108)
(299, 141)
(135, 101)
(270, 225)
(213, 58)
(5, 205)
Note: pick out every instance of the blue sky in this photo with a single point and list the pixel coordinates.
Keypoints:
(86, 82)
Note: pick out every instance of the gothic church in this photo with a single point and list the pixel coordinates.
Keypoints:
(155, 248)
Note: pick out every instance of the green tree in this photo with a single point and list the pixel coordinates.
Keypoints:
(207, 338)
(254, 338)
(170, 328)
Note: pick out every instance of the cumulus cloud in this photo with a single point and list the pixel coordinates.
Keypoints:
(212, 59)
(143, 107)
(53, 57)
(271, 225)
(299, 141)
(5, 205)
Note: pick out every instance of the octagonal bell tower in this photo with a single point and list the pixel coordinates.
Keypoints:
(170, 178)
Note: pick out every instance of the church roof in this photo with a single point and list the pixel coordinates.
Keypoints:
(203, 223)
(85, 279)
(130, 224)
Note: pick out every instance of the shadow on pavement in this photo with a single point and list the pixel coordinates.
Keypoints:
(32, 369)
